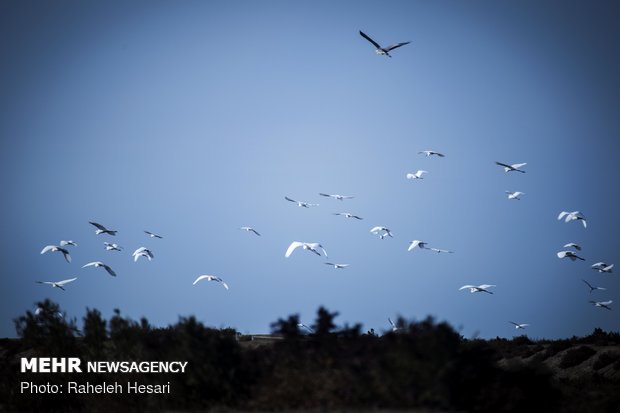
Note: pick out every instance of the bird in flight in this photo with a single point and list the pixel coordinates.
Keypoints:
(569, 254)
(300, 203)
(592, 288)
(337, 266)
(602, 267)
(348, 215)
(101, 229)
(382, 50)
(210, 278)
(382, 232)
(312, 246)
(302, 325)
(418, 175)
(395, 328)
(514, 195)
(70, 242)
(519, 326)
(336, 196)
(56, 248)
(483, 288)
(573, 245)
(250, 229)
(573, 216)
(57, 284)
(424, 246)
(142, 252)
(100, 264)
(112, 247)
(602, 304)
(514, 167)
(430, 153)
(152, 235)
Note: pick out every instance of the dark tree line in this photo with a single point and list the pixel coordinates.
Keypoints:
(425, 365)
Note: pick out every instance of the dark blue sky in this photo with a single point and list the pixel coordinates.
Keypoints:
(194, 118)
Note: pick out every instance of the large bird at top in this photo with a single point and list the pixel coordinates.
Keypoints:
(382, 51)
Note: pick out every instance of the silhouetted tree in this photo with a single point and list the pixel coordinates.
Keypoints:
(324, 324)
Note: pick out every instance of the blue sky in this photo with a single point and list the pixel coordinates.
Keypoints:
(191, 119)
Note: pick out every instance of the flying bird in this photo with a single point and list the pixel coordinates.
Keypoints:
(514, 167)
(100, 264)
(573, 216)
(348, 215)
(569, 254)
(395, 328)
(483, 288)
(101, 229)
(302, 325)
(250, 229)
(152, 235)
(112, 247)
(382, 232)
(515, 195)
(312, 246)
(519, 326)
(336, 196)
(602, 267)
(418, 175)
(382, 50)
(56, 284)
(573, 245)
(602, 304)
(70, 242)
(300, 203)
(142, 252)
(210, 278)
(430, 153)
(56, 248)
(337, 266)
(592, 288)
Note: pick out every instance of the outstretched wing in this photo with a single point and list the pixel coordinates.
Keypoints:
(109, 270)
(504, 165)
(99, 226)
(294, 245)
(394, 46)
(365, 36)
(289, 199)
(63, 282)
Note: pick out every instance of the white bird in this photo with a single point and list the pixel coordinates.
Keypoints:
(569, 254)
(515, 195)
(519, 326)
(112, 247)
(210, 278)
(309, 246)
(101, 229)
(70, 242)
(382, 232)
(416, 243)
(382, 51)
(602, 304)
(142, 252)
(56, 248)
(418, 175)
(55, 284)
(513, 167)
(592, 288)
(483, 288)
(348, 215)
(429, 153)
(301, 203)
(573, 216)
(302, 325)
(602, 267)
(100, 264)
(336, 196)
(394, 327)
(573, 245)
(152, 235)
(250, 229)
(337, 266)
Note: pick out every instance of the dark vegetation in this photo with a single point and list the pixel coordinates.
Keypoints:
(427, 365)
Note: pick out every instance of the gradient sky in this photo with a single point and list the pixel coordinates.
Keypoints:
(191, 119)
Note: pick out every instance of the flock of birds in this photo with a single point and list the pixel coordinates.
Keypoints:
(382, 232)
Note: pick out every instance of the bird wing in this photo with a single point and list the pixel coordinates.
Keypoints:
(485, 286)
(109, 270)
(376, 229)
(65, 254)
(289, 199)
(99, 226)
(441, 155)
(585, 224)
(588, 284)
(440, 250)
(48, 248)
(414, 244)
(63, 282)
(322, 194)
(504, 165)
(467, 286)
(608, 268)
(365, 36)
(391, 322)
(294, 245)
(562, 254)
(394, 46)
(411, 176)
(512, 322)
(254, 231)
(224, 284)
(599, 264)
(202, 277)
(91, 264)
(518, 165)
(606, 302)
(562, 214)
(139, 250)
